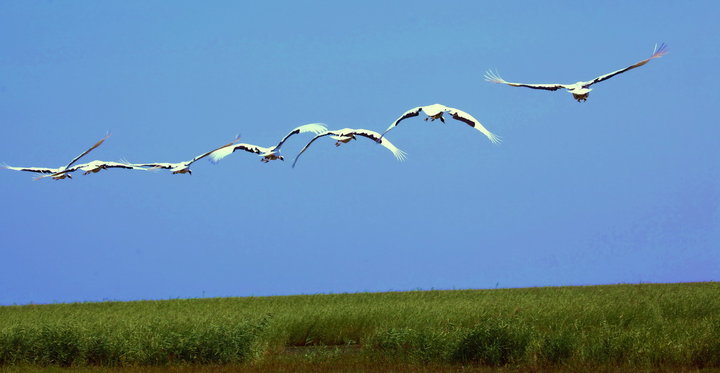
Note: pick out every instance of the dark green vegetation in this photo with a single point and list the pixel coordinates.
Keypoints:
(669, 326)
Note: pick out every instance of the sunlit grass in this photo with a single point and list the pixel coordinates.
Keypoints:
(641, 326)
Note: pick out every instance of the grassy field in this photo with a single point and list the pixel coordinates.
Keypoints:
(648, 327)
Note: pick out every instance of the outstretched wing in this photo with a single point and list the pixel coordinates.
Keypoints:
(315, 128)
(493, 77)
(111, 164)
(474, 123)
(222, 152)
(408, 114)
(94, 165)
(88, 151)
(68, 170)
(154, 166)
(372, 135)
(42, 170)
(657, 53)
(203, 155)
(326, 133)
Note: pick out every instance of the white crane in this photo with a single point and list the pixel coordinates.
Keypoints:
(579, 90)
(181, 167)
(57, 173)
(93, 167)
(345, 135)
(267, 154)
(436, 111)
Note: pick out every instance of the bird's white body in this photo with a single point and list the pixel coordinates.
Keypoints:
(345, 135)
(267, 154)
(579, 90)
(342, 139)
(436, 111)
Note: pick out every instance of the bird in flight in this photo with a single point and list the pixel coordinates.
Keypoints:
(436, 111)
(93, 167)
(267, 154)
(181, 167)
(57, 173)
(579, 90)
(345, 135)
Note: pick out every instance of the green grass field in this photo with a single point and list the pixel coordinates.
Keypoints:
(653, 327)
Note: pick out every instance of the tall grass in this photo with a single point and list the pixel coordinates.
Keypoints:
(153, 343)
(628, 325)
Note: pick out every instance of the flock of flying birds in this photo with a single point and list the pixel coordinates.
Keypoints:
(580, 91)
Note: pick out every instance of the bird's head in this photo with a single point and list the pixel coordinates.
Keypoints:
(280, 157)
(182, 171)
(581, 97)
(581, 94)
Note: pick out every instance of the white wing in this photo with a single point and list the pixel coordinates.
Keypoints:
(408, 114)
(372, 135)
(188, 163)
(87, 151)
(316, 128)
(493, 77)
(222, 152)
(203, 155)
(42, 170)
(94, 165)
(59, 172)
(472, 122)
(155, 166)
(108, 164)
(326, 133)
(657, 52)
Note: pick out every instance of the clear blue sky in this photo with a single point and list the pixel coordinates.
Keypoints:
(623, 188)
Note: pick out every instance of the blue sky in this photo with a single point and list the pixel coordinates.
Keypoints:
(623, 188)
